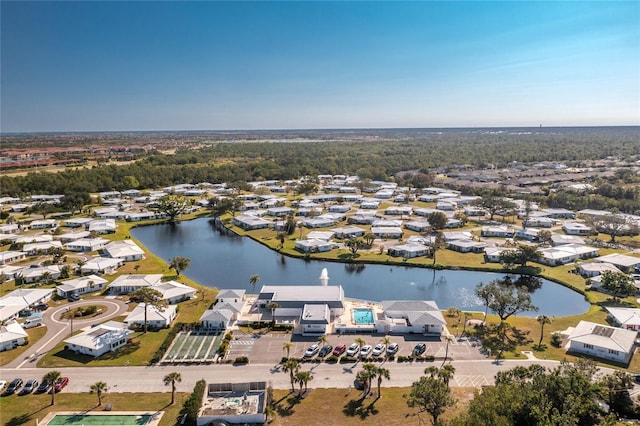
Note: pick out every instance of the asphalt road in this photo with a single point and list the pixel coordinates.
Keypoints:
(149, 379)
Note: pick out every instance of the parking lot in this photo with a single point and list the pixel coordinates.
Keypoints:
(268, 348)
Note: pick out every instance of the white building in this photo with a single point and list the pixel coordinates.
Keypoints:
(31, 275)
(7, 257)
(627, 318)
(562, 255)
(44, 224)
(101, 265)
(174, 292)
(126, 250)
(87, 244)
(313, 246)
(98, 340)
(81, 285)
(410, 316)
(155, 318)
(12, 335)
(11, 304)
(126, 284)
(225, 312)
(601, 341)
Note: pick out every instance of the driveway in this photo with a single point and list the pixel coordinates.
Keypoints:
(59, 329)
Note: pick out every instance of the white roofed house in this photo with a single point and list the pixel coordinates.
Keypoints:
(12, 335)
(7, 257)
(78, 222)
(127, 250)
(602, 341)
(348, 232)
(567, 253)
(174, 292)
(101, 265)
(493, 254)
(323, 221)
(156, 318)
(32, 275)
(27, 239)
(621, 261)
(81, 285)
(43, 247)
(313, 246)
(593, 269)
(408, 251)
(102, 226)
(410, 316)
(249, 222)
(225, 312)
(502, 231)
(126, 284)
(73, 236)
(575, 228)
(627, 318)
(418, 225)
(98, 340)
(87, 244)
(44, 224)
(11, 304)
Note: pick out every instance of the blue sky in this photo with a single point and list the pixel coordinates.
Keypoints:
(79, 66)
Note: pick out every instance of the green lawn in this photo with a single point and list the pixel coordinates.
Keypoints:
(27, 410)
(343, 407)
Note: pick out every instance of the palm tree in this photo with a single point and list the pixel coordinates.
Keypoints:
(448, 338)
(291, 366)
(52, 377)
(287, 347)
(383, 373)
(370, 373)
(386, 340)
(273, 306)
(303, 377)
(179, 264)
(150, 297)
(446, 373)
(542, 319)
(172, 378)
(253, 280)
(323, 339)
(360, 341)
(99, 388)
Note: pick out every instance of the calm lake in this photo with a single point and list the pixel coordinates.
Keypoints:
(227, 261)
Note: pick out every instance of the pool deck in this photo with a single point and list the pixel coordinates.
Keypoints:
(154, 421)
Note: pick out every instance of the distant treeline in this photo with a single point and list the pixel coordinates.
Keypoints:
(234, 162)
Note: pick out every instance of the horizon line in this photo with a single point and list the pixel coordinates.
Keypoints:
(291, 129)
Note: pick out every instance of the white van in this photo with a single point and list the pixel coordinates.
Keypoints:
(32, 322)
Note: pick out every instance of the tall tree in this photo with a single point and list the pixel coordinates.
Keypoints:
(286, 346)
(542, 319)
(52, 377)
(291, 366)
(171, 379)
(370, 372)
(432, 395)
(437, 220)
(505, 301)
(179, 264)
(619, 284)
(382, 373)
(438, 244)
(99, 388)
(253, 280)
(303, 378)
(614, 224)
(150, 297)
(173, 206)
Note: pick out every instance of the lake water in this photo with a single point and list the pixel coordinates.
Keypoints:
(223, 260)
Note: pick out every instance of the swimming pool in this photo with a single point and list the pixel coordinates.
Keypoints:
(100, 419)
(363, 316)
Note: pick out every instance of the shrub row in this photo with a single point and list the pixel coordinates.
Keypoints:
(192, 405)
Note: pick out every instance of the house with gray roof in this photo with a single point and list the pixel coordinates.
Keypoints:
(627, 318)
(81, 285)
(126, 284)
(410, 316)
(602, 341)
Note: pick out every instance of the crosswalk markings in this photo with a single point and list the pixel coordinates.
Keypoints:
(471, 381)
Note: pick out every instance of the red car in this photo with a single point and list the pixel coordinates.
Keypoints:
(339, 350)
(60, 384)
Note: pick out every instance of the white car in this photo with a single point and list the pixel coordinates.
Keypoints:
(365, 351)
(379, 349)
(3, 383)
(393, 349)
(353, 349)
(311, 351)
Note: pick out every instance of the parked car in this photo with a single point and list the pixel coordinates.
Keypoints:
(13, 387)
(60, 384)
(3, 383)
(392, 349)
(419, 349)
(339, 349)
(29, 387)
(311, 350)
(359, 383)
(41, 307)
(379, 349)
(326, 350)
(365, 351)
(353, 349)
(44, 387)
(73, 297)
